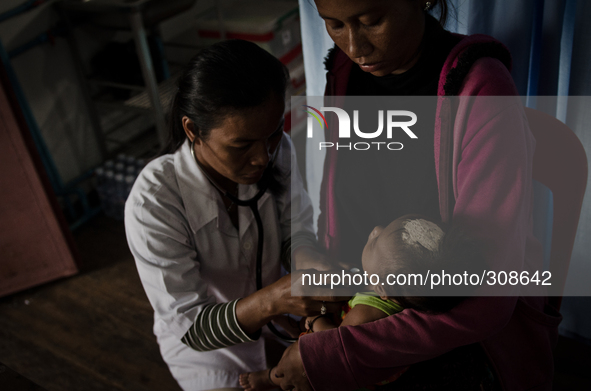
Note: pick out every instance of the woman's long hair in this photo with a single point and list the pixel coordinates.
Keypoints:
(444, 10)
(219, 80)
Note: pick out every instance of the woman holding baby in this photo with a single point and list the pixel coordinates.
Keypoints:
(471, 169)
(477, 178)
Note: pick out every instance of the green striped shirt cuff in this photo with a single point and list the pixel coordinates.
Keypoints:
(216, 327)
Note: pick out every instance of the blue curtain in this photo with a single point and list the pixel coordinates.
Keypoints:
(550, 44)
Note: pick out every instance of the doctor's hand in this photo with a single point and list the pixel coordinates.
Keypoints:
(287, 297)
(260, 307)
(290, 370)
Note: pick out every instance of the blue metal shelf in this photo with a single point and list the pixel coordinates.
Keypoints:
(62, 191)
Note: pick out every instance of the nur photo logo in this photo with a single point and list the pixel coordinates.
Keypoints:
(395, 121)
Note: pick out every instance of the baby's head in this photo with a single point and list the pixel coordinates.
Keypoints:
(415, 244)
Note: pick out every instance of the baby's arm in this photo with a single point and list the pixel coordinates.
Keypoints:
(362, 313)
(359, 314)
(320, 323)
(267, 379)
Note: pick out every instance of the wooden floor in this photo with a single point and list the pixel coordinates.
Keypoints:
(93, 331)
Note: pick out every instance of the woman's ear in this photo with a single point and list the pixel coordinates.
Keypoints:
(189, 127)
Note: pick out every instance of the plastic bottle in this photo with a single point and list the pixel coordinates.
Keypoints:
(106, 191)
(99, 174)
(119, 168)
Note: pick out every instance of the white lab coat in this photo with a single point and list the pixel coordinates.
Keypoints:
(189, 255)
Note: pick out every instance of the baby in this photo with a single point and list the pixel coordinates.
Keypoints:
(410, 244)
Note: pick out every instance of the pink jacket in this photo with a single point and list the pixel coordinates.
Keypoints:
(483, 166)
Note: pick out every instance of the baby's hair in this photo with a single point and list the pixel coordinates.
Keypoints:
(429, 248)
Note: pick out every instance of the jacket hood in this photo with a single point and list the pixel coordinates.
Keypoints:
(464, 55)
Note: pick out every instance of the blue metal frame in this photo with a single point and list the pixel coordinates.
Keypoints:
(61, 190)
(19, 9)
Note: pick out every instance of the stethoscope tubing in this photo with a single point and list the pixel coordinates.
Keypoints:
(252, 203)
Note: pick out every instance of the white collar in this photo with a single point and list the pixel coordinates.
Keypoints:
(203, 203)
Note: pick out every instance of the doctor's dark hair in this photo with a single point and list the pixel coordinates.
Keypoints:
(220, 80)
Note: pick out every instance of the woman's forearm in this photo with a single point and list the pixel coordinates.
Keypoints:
(369, 362)
(256, 310)
(216, 327)
(226, 324)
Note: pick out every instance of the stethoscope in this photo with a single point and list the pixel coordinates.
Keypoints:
(252, 203)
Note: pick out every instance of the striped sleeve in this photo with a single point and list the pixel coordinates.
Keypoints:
(216, 327)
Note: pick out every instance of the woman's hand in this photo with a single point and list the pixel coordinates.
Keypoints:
(280, 293)
(260, 307)
(290, 370)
